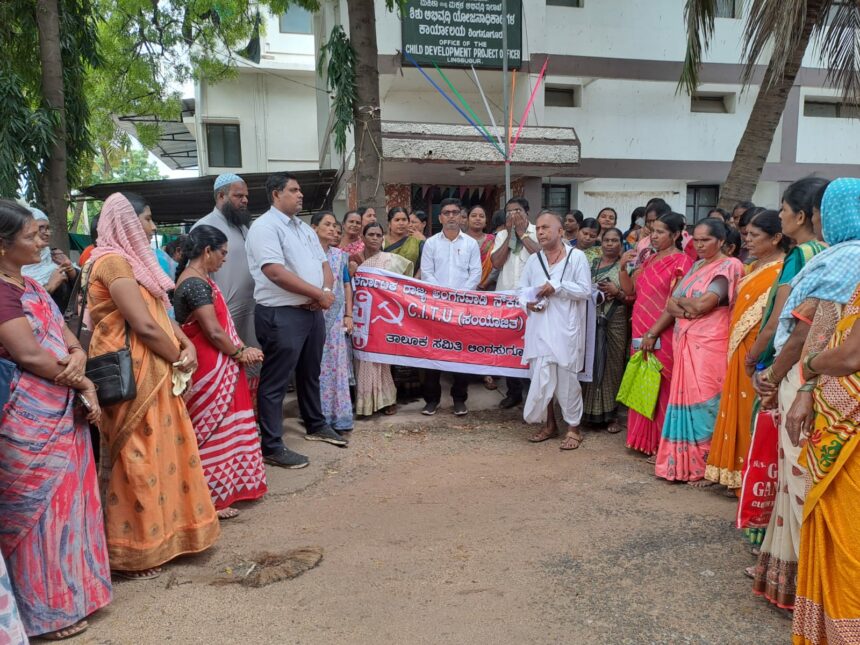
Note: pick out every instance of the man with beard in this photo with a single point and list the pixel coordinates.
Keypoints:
(232, 217)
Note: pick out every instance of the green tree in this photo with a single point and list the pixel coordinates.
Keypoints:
(46, 48)
(785, 27)
(133, 164)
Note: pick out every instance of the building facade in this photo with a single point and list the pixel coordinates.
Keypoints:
(608, 127)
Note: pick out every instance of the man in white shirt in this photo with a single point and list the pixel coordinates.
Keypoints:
(292, 285)
(450, 259)
(556, 287)
(511, 251)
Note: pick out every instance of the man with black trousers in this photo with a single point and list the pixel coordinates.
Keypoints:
(450, 259)
(292, 285)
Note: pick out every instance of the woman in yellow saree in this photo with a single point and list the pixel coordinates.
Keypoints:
(827, 607)
(731, 441)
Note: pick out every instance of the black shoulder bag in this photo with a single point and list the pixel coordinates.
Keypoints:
(112, 373)
(546, 271)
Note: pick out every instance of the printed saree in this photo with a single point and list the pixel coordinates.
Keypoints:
(731, 441)
(654, 284)
(486, 249)
(335, 366)
(827, 606)
(222, 413)
(157, 502)
(52, 530)
(701, 346)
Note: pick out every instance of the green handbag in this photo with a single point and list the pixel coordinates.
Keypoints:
(640, 386)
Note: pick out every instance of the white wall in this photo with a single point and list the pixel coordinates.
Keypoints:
(276, 116)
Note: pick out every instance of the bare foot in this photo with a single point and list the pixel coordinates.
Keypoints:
(614, 428)
(701, 483)
(652, 460)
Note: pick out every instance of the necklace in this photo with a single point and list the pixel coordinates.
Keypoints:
(17, 280)
(203, 275)
(557, 256)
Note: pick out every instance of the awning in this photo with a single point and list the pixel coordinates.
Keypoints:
(181, 201)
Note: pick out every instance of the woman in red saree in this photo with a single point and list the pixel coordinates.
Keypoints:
(51, 524)
(654, 282)
(476, 224)
(218, 400)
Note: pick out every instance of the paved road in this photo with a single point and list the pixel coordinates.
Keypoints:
(449, 530)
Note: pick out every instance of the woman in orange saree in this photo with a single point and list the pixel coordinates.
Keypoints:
(827, 605)
(731, 441)
(156, 499)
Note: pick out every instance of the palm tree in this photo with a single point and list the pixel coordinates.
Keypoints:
(786, 26)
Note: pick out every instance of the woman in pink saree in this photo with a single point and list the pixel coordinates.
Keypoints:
(701, 307)
(654, 283)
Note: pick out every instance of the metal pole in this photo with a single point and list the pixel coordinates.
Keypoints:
(506, 100)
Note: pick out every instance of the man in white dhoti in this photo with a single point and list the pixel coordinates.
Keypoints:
(555, 287)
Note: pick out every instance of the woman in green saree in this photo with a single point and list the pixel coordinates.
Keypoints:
(398, 240)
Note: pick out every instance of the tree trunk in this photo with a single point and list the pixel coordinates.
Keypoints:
(54, 182)
(367, 115)
(756, 141)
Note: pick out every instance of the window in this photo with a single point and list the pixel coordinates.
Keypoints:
(729, 8)
(712, 103)
(556, 197)
(562, 96)
(564, 3)
(224, 145)
(296, 20)
(700, 201)
(830, 109)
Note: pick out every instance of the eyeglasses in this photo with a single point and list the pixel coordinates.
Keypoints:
(456, 212)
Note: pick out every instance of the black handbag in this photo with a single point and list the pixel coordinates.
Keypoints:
(111, 373)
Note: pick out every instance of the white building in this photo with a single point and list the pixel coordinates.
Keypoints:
(608, 128)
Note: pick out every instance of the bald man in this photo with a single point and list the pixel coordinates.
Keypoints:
(555, 289)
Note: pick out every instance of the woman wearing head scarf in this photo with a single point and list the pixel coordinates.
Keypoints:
(806, 324)
(54, 271)
(156, 497)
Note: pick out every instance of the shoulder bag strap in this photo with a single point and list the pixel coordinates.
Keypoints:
(84, 289)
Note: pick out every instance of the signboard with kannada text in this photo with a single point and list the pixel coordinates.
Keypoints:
(462, 33)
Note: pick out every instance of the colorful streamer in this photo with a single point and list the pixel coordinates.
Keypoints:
(529, 106)
(487, 106)
(510, 108)
(448, 98)
(465, 105)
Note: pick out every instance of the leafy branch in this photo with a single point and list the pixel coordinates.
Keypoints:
(340, 79)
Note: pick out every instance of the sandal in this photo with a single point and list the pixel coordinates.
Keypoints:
(571, 441)
(544, 434)
(652, 460)
(227, 513)
(749, 572)
(614, 428)
(67, 632)
(390, 410)
(489, 383)
(146, 574)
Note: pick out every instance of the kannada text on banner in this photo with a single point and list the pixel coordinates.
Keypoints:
(403, 321)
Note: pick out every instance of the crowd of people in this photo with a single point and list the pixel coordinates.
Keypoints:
(747, 311)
